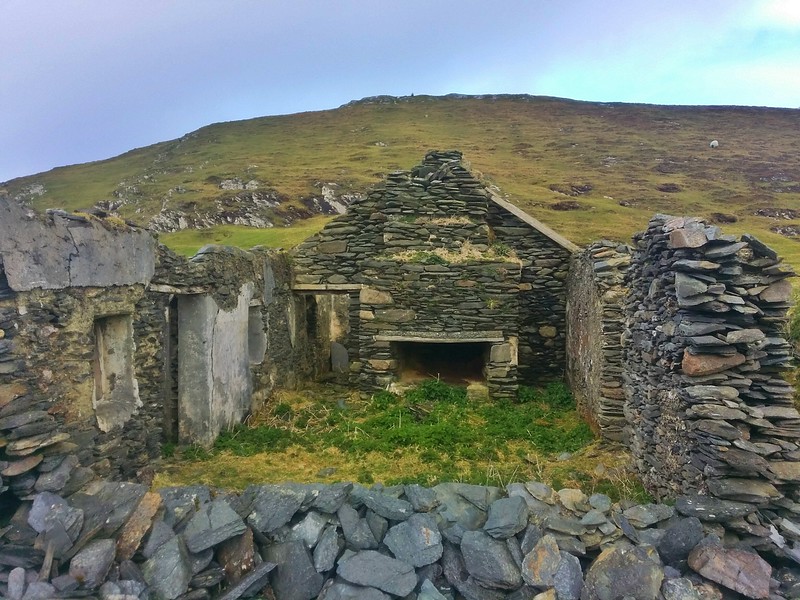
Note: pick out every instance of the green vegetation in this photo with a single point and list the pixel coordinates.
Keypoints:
(616, 163)
(434, 432)
(189, 241)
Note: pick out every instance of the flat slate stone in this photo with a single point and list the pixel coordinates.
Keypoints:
(346, 591)
(168, 572)
(330, 497)
(16, 584)
(687, 286)
(738, 570)
(294, 577)
(372, 569)
(200, 561)
(709, 508)
(236, 556)
(573, 499)
(507, 517)
(422, 499)
(130, 537)
(632, 571)
(255, 579)
(489, 561)
(309, 529)
(600, 502)
(40, 590)
(743, 490)
(540, 565)
(696, 365)
(679, 538)
(109, 502)
(428, 591)
(745, 336)
(679, 589)
(44, 504)
(356, 530)
(18, 467)
(55, 480)
(327, 549)
(273, 507)
(568, 580)
(716, 411)
(645, 515)
(416, 541)
(180, 503)
(377, 525)
(211, 525)
(91, 564)
(389, 507)
(160, 534)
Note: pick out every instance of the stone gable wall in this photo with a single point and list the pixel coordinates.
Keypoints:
(445, 261)
(596, 294)
(542, 296)
(706, 400)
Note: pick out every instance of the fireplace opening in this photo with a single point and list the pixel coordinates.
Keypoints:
(455, 363)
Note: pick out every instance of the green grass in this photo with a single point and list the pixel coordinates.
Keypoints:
(432, 433)
(527, 146)
(189, 241)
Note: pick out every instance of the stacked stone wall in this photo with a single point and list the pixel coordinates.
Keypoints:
(445, 258)
(596, 293)
(70, 408)
(542, 295)
(459, 302)
(342, 540)
(706, 400)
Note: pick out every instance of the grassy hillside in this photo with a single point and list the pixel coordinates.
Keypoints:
(613, 164)
(189, 241)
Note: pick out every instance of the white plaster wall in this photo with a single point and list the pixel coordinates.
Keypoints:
(214, 380)
(116, 391)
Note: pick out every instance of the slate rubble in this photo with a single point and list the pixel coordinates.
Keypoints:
(465, 541)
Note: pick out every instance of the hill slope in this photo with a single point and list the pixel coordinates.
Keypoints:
(589, 170)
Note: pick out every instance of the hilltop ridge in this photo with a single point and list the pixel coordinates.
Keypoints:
(587, 169)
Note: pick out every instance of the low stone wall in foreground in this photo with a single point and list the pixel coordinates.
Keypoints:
(343, 541)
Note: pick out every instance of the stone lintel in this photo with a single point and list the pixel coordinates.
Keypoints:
(321, 288)
(471, 337)
(186, 290)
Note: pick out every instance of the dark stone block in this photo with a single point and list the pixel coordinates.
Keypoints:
(294, 577)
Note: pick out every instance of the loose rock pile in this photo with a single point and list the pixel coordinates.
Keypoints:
(118, 541)
(707, 405)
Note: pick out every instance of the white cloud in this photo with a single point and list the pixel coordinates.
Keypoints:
(782, 14)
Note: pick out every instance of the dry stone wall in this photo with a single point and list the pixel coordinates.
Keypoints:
(90, 384)
(596, 293)
(708, 407)
(437, 256)
(343, 541)
(542, 294)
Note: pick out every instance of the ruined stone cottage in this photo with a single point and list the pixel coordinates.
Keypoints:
(111, 345)
(443, 277)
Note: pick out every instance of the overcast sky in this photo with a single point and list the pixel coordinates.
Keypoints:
(83, 80)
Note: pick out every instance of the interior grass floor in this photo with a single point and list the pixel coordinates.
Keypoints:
(432, 433)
